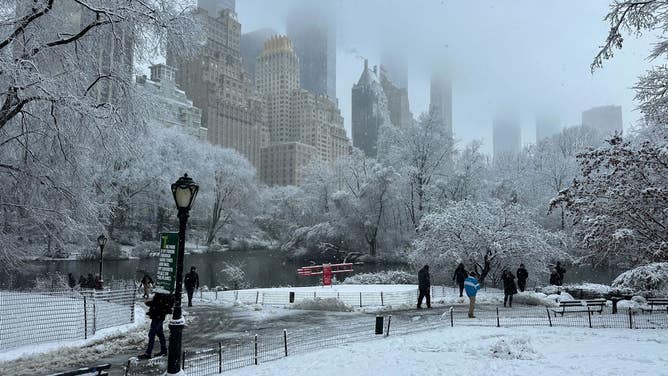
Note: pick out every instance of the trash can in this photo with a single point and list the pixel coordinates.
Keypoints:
(379, 324)
(292, 296)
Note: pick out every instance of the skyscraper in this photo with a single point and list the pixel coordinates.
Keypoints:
(251, 47)
(546, 125)
(606, 119)
(507, 135)
(369, 111)
(394, 64)
(397, 101)
(216, 6)
(440, 100)
(312, 32)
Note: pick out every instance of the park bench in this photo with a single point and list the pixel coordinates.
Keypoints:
(584, 305)
(652, 302)
(100, 370)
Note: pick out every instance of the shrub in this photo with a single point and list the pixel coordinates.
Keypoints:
(391, 277)
(651, 279)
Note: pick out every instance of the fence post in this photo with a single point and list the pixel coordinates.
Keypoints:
(389, 320)
(498, 324)
(549, 318)
(85, 319)
(360, 299)
(127, 367)
(132, 307)
(381, 299)
(257, 296)
(443, 290)
(431, 293)
(236, 295)
(256, 349)
(94, 315)
(285, 341)
(314, 295)
(589, 314)
(183, 361)
(452, 319)
(216, 294)
(220, 357)
(630, 319)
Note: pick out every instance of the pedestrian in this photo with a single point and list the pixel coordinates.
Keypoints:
(98, 282)
(146, 283)
(82, 281)
(560, 271)
(192, 283)
(424, 284)
(554, 277)
(471, 285)
(459, 277)
(509, 288)
(90, 281)
(159, 307)
(71, 281)
(522, 276)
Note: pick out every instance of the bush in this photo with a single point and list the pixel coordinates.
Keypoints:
(144, 249)
(650, 280)
(391, 277)
(112, 251)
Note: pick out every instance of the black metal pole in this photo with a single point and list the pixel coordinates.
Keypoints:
(101, 252)
(177, 323)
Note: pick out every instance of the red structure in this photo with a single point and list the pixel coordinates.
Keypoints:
(326, 270)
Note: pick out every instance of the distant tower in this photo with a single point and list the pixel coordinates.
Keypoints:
(313, 34)
(546, 126)
(397, 101)
(216, 6)
(369, 111)
(251, 47)
(507, 135)
(440, 103)
(395, 66)
(606, 119)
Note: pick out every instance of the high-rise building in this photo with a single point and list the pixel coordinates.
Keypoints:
(173, 108)
(606, 119)
(394, 65)
(507, 135)
(440, 100)
(251, 47)
(397, 101)
(546, 126)
(312, 32)
(218, 84)
(369, 111)
(214, 7)
(303, 126)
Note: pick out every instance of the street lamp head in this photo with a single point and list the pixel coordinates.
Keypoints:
(184, 191)
(101, 240)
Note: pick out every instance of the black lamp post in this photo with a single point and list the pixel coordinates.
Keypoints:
(184, 191)
(101, 241)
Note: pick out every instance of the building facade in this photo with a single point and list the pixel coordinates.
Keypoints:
(172, 107)
(313, 34)
(397, 101)
(251, 47)
(546, 126)
(605, 119)
(369, 111)
(214, 7)
(440, 100)
(507, 135)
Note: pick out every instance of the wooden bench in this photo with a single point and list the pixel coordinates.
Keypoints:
(651, 302)
(585, 306)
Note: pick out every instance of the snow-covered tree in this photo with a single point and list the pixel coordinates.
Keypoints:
(487, 236)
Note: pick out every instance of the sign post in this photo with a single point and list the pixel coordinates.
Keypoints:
(166, 275)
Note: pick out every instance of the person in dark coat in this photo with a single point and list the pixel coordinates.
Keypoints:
(424, 284)
(146, 283)
(82, 281)
(560, 271)
(71, 281)
(159, 307)
(554, 277)
(90, 281)
(509, 288)
(192, 282)
(522, 276)
(459, 277)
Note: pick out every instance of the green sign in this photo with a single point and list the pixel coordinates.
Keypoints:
(166, 276)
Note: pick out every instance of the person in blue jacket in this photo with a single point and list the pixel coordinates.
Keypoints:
(472, 286)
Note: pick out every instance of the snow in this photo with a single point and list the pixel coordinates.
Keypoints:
(648, 279)
(483, 351)
(55, 349)
(323, 304)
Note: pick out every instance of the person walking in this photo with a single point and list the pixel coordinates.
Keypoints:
(522, 276)
(459, 277)
(71, 281)
(554, 277)
(146, 283)
(159, 307)
(471, 285)
(424, 284)
(560, 271)
(509, 288)
(192, 283)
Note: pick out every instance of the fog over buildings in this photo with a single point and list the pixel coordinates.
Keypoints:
(532, 57)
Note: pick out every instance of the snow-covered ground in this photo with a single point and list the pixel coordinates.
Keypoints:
(483, 351)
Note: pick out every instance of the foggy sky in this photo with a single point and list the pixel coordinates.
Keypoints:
(526, 56)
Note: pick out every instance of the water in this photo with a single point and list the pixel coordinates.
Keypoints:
(262, 268)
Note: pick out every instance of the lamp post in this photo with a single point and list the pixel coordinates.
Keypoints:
(101, 241)
(184, 191)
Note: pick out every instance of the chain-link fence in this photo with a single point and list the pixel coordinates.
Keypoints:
(253, 350)
(31, 317)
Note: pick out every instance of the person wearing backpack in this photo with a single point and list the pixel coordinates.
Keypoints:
(192, 283)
